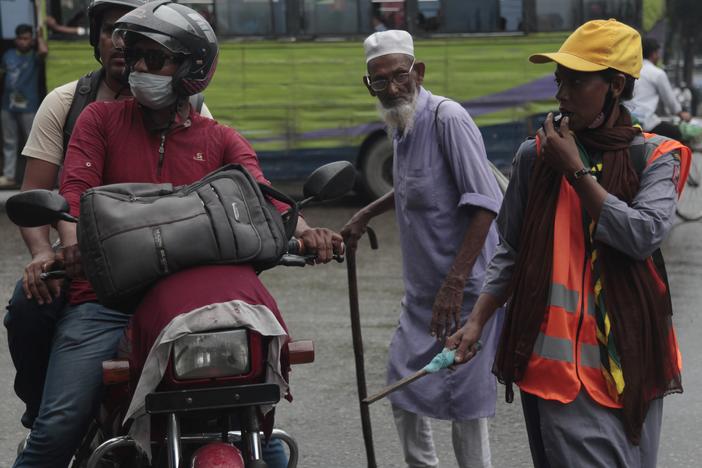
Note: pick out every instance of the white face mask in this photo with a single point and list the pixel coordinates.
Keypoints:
(152, 91)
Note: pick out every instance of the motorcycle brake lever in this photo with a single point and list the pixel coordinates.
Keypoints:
(312, 258)
(53, 274)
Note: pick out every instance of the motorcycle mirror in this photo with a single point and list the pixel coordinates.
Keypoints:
(329, 181)
(35, 208)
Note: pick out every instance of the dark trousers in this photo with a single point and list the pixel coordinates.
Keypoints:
(583, 434)
(530, 407)
(30, 331)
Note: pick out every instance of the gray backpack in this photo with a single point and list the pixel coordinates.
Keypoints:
(132, 234)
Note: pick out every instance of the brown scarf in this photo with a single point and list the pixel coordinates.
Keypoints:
(641, 317)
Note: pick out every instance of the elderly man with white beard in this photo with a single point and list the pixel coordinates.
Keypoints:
(445, 198)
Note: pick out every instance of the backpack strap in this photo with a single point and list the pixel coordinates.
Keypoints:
(86, 92)
(637, 156)
(196, 101)
(500, 178)
(290, 217)
(439, 135)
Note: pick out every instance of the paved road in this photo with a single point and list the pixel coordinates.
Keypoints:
(324, 415)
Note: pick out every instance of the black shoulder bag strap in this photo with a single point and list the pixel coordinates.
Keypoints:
(86, 92)
(637, 156)
(290, 216)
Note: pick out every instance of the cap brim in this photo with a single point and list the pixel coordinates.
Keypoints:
(568, 61)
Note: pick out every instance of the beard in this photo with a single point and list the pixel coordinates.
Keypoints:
(399, 116)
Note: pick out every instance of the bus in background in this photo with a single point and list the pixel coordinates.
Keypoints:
(289, 77)
(304, 104)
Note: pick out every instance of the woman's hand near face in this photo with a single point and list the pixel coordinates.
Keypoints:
(558, 147)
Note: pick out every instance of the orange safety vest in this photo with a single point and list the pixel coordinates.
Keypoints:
(566, 354)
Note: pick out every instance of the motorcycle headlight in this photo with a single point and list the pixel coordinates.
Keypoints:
(208, 355)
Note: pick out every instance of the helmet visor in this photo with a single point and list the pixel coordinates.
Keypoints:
(124, 38)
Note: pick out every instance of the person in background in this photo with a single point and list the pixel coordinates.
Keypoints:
(57, 27)
(20, 97)
(652, 89)
(445, 198)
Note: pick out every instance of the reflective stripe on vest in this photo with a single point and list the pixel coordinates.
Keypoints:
(566, 354)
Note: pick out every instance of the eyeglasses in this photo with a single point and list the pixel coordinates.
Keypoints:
(381, 84)
(154, 59)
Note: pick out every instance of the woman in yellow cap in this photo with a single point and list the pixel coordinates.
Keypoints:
(588, 336)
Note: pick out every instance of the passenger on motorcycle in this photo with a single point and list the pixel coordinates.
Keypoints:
(156, 138)
(33, 309)
(32, 312)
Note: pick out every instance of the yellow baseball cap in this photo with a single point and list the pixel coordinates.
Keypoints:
(598, 45)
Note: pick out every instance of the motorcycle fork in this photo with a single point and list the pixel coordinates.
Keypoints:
(251, 438)
(175, 454)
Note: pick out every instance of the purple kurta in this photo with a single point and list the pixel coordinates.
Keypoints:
(434, 197)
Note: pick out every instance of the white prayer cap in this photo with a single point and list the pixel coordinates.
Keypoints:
(388, 42)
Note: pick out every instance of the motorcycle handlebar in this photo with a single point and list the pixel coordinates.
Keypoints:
(295, 246)
(296, 255)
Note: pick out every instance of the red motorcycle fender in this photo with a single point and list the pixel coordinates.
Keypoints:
(217, 455)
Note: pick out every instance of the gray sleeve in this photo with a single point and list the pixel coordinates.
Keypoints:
(509, 222)
(638, 230)
(499, 271)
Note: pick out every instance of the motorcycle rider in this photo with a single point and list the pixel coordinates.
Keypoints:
(652, 89)
(155, 138)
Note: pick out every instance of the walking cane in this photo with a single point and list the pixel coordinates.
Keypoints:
(441, 361)
(358, 349)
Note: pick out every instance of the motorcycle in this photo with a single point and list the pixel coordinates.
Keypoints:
(211, 405)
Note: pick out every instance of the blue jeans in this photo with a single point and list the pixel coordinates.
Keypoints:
(85, 335)
(274, 454)
(13, 124)
(30, 330)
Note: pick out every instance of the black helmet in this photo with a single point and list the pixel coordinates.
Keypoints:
(96, 9)
(179, 29)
